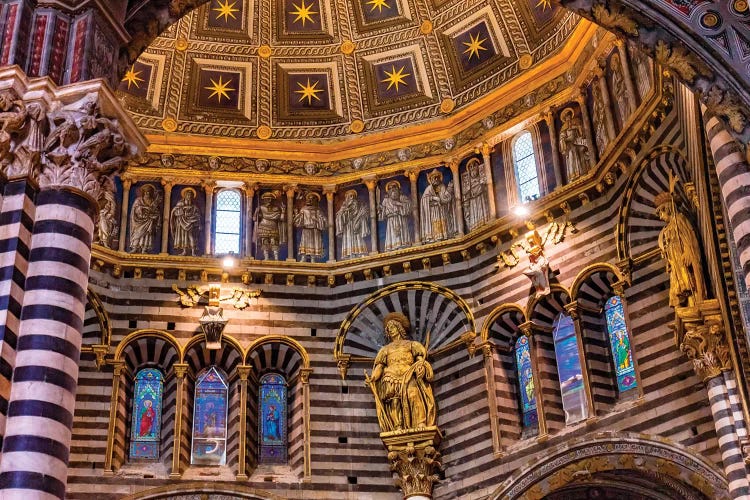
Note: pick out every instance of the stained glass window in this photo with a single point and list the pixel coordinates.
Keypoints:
(524, 161)
(272, 421)
(619, 341)
(210, 418)
(146, 422)
(227, 226)
(526, 382)
(569, 369)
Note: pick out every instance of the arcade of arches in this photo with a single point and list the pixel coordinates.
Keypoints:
(285, 249)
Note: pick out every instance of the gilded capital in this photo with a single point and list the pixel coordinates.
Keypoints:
(572, 310)
(370, 181)
(705, 345)
(412, 174)
(244, 371)
(417, 467)
(180, 369)
(486, 149)
(117, 367)
(304, 375)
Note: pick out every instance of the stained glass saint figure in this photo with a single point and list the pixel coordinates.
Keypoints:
(619, 340)
(272, 421)
(569, 369)
(146, 419)
(210, 418)
(526, 382)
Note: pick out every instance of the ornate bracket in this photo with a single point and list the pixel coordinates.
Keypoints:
(700, 334)
(413, 455)
(100, 350)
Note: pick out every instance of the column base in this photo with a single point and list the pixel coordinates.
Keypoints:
(175, 475)
(241, 477)
(108, 473)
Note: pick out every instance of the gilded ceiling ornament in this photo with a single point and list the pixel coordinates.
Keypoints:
(396, 78)
(225, 10)
(347, 47)
(378, 4)
(132, 77)
(544, 4)
(303, 12)
(447, 105)
(169, 124)
(264, 51)
(474, 45)
(356, 127)
(220, 89)
(264, 132)
(181, 44)
(525, 61)
(309, 91)
(426, 27)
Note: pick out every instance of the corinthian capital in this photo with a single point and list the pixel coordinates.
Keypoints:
(705, 346)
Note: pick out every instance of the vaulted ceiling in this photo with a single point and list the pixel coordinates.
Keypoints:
(319, 71)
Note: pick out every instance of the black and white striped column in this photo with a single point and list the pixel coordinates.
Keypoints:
(42, 399)
(729, 445)
(734, 179)
(16, 222)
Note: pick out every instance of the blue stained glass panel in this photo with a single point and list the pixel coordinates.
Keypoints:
(146, 419)
(273, 416)
(210, 419)
(526, 382)
(619, 341)
(569, 370)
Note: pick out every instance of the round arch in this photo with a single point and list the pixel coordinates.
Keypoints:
(188, 490)
(143, 333)
(279, 339)
(498, 312)
(197, 339)
(613, 451)
(557, 297)
(589, 271)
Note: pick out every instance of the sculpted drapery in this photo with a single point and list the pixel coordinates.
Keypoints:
(313, 221)
(352, 225)
(437, 217)
(394, 210)
(185, 223)
(145, 219)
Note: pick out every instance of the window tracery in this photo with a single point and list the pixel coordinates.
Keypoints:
(210, 418)
(146, 416)
(525, 167)
(227, 228)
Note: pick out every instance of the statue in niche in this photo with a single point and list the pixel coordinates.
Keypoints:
(352, 226)
(145, 219)
(623, 99)
(270, 226)
(185, 223)
(680, 248)
(394, 209)
(313, 222)
(107, 226)
(400, 380)
(476, 204)
(642, 66)
(437, 218)
(573, 145)
(601, 132)
(538, 268)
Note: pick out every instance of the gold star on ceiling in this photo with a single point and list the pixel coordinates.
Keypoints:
(396, 77)
(474, 46)
(378, 4)
(226, 10)
(132, 78)
(220, 89)
(303, 12)
(308, 92)
(544, 4)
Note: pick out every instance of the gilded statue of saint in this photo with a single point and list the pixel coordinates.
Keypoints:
(679, 247)
(400, 380)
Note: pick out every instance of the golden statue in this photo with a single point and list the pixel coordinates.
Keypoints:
(401, 379)
(679, 247)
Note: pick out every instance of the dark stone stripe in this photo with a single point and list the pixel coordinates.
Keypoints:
(21, 186)
(55, 313)
(62, 255)
(8, 336)
(57, 284)
(35, 408)
(66, 198)
(731, 171)
(36, 444)
(725, 150)
(33, 481)
(45, 374)
(715, 129)
(15, 244)
(737, 194)
(62, 227)
(49, 343)
(3, 408)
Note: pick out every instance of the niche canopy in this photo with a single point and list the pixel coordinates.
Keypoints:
(440, 319)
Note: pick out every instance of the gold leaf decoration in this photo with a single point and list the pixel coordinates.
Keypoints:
(724, 104)
(681, 61)
(614, 19)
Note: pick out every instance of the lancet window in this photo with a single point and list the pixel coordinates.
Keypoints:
(146, 419)
(619, 341)
(569, 369)
(273, 419)
(210, 418)
(228, 222)
(525, 166)
(526, 384)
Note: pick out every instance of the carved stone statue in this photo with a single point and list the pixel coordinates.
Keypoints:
(437, 217)
(145, 219)
(185, 223)
(107, 227)
(394, 209)
(313, 222)
(476, 204)
(352, 225)
(538, 269)
(642, 66)
(601, 132)
(270, 226)
(679, 247)
(573, 145)
(624, 100)
(400, 380)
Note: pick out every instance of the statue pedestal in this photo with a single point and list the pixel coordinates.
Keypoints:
(413, 455)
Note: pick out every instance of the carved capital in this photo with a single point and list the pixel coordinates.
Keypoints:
(100, 351)
(250, 188)
(572, 310)
(370, 181)
(117, 367)
(704, 344)
(526, 329)
(343, 365)
(180, 369)
(412, 174)
(244, 372)
(416, 462)
(486, 149)
(304, 375)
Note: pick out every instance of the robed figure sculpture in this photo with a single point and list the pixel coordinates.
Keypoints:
(400, 380)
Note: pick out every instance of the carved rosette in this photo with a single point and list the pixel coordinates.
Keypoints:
(414, 457)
